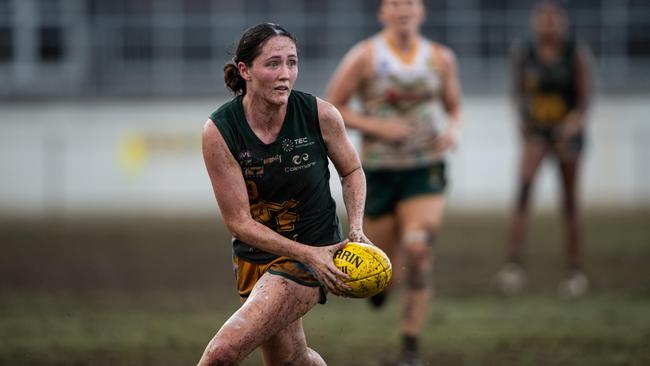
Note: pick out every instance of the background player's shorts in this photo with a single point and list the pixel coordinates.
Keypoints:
(248, 273)
(570, 149)
(386, 188)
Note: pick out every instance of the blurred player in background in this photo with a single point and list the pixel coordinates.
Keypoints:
(399, 77)
(266, 152)
(552, 87)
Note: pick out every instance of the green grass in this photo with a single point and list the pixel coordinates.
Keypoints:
(114, 293)
(529, 330)
(173, 327)
(107, 328)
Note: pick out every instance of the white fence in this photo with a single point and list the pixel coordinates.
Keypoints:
(143, 158)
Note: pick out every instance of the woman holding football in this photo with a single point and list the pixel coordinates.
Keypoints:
(266, 152)
(399, 77)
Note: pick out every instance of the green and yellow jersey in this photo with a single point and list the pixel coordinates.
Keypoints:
(288, 179)
(548, 90)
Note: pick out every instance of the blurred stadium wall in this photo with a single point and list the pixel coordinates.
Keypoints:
(178, 47)
(102, 102)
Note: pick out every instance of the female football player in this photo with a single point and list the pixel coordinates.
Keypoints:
(400, 76)
(266, 152)
(552, 89)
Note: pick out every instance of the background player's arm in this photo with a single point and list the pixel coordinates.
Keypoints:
(450, 100)
(575, 119)
(355, 68)
(346, 161)
(232, 197)
(517, 89)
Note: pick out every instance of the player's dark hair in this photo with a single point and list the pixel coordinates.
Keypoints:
(248, 48)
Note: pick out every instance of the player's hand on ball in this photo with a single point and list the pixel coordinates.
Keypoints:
(357, 236)
(368, 267)
(320, 261)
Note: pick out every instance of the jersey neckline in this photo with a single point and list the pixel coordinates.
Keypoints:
(404, 59)
(249, 130)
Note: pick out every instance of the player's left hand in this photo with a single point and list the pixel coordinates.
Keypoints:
(570, 126)
(356, 235)
(448, 140)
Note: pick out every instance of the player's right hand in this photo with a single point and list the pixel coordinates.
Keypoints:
(320, 260)
(393, 130)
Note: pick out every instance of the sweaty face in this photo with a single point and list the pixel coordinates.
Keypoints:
(402, 15)
(274, 71)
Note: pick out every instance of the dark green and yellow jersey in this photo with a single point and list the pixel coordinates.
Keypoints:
(548, 90)
(288, 179)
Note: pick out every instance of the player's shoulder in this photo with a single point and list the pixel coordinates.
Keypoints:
(358, 60)
(444, 53)
(330, 118)
(361, 51)
(327, 112)
(304, 103)
(226, 112)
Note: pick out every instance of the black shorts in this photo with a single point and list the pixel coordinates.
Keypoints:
(386, 188)
(571, 148)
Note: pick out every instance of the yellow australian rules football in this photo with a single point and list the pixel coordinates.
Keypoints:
(368, 266)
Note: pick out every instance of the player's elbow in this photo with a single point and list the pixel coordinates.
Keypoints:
(237, 226)
(219, 355)
(452, 108)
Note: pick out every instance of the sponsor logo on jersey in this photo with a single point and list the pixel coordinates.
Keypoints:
(297, 159)
(301, 161)
(273, 159)
(253, 171)
(287, 145)
(245, 154)
(291, 169)
(302, 142)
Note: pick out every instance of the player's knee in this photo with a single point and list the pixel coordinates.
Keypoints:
(418, 277)
(308, 357)
(569, 207)
(284, 359)
(415, 240)
(417, 247)
(220, 355)
(305, 356)
(524, 194)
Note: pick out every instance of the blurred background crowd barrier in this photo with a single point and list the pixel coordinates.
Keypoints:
(178, 47)
(102, 102)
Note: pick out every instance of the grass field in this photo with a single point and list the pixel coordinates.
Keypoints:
(152, 292)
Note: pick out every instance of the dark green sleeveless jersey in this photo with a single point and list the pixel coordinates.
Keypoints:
(288, 179)
(549, 90)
